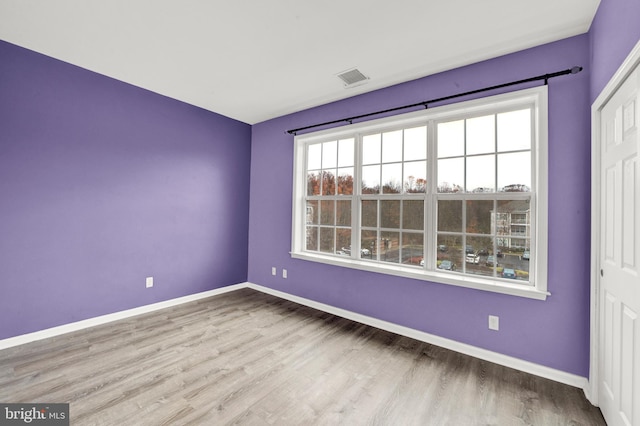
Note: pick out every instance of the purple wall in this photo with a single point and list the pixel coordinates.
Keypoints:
(103, 184)
(555, 332)
(614, 32)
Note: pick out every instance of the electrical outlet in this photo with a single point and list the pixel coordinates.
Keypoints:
(149, 282)
(284, 273)
(494, 322)
(274, 271)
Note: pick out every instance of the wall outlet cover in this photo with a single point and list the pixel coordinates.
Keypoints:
(494, 322)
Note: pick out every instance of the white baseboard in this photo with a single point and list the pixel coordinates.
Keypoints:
(497, 358)
(103, 319)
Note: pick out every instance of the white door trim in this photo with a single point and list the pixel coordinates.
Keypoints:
(612, 86)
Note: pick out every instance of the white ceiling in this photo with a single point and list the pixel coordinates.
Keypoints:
(257, 59)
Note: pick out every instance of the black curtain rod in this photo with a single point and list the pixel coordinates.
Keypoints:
(425, 104)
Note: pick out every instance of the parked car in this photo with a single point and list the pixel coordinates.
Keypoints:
(347, 252)
(483, 252)
(490, 261)
(526, 255)
(442, 247)
(472, 258)
(469, 249)
(499, 253)
(447, 265)
(508, 273)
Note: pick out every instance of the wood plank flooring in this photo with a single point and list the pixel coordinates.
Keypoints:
(252, 359)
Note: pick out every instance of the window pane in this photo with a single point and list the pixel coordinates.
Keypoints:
(481, 135)
(329, 154)
(392, 178)
(392, 146)
(368, 241)
(450, 215)
(514, 261)
(514, 130)
(412, 248)
(413, 214)
(343, 240)
(343, 212)
(314, 157)
(415, 143)
(476, 257)
(327, 212)
(370, 213)
(415, 177)
(522, 273)
(345, 153)
(390, 214)
(371, 149)
(514, 172)
(313, 183)
(312, 238)
(312, 212)
(449, 253)
(326, 240)
(451, 175)
(513, 225)
(345, 181)
(371, 180)
(451, 139)
(390, 250)
(479, 214)
(328, 182)
(481, 173)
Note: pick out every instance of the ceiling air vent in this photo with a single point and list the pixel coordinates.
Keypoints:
(353, 77)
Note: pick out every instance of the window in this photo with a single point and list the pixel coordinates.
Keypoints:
(454, 194)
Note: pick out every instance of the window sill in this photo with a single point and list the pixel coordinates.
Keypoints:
(477, 283)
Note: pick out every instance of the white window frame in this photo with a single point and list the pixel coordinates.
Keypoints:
(537, 98)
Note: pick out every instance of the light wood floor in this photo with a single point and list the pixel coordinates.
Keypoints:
(249, 358)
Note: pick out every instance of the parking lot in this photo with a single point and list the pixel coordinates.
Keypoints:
(486, 264)
(480, 262)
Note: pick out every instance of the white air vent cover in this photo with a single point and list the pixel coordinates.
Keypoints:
(353, 77)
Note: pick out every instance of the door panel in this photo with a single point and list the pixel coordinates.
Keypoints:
(627, 391)
(629, 215)
(619, 290)
(608, 352)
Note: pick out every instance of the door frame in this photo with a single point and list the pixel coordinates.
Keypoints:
(612, 86)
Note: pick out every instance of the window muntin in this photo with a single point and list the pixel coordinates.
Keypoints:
(427, 190)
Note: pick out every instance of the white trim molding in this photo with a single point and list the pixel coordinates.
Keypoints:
(484, 354)
(625, 69)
